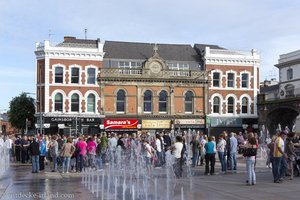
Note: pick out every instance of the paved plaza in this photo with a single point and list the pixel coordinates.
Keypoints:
(20, 183)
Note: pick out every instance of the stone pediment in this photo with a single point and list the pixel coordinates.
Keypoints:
(154, 66)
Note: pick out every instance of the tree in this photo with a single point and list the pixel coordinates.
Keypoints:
(21, 111)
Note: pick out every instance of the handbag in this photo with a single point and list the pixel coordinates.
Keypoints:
(250, 152)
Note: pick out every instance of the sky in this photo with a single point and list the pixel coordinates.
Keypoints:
(270, 26)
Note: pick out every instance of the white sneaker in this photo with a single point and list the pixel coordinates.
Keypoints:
(67, 172)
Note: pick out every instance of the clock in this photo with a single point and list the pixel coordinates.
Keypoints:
(155, 67)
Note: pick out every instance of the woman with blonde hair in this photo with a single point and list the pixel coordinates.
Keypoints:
(66, 152)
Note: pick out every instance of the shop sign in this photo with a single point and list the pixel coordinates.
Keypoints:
(189, 121)
(225, 122)
(120, 123)
(151, 124)
(59, 119)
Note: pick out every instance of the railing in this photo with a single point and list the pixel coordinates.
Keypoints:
(229, 52)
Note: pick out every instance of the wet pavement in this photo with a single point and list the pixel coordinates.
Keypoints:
(20, 183)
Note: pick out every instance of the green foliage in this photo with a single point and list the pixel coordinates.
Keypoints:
(21, 108)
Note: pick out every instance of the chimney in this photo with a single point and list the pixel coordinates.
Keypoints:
(67, 38)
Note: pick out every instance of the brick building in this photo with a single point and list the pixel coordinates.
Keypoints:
(233, 88)
(67, 88)
(153, 86)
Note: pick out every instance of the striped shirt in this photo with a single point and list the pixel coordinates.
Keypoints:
(279, 143)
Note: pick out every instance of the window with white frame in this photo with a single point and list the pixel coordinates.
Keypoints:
(75, 75)
(216, 79)
(230, 105)
(91, 103)
(289, 74)
(163, 101)
(188, 102)
(230, 80)
(75, 103)
(178, 66)
(121, 101)
(245, 80)
(91, 73)
(58, 102)
(216, 105)
(245, 103)
(59, 74)
(148, 97)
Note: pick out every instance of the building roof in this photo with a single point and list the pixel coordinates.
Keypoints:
(201, 47)
(79, 43)
(142, 51)
(266, 89)
(4, 117)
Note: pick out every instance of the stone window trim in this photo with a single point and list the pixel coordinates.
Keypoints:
(54, 66)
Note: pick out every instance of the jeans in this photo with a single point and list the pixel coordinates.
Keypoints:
(35, 163)
(91, 160)
(280, 167)
(54, 160)
(250, 170)
(222, 161)
(159, 159)
(99, 161)
(195, 158)
(79, 163)
(210, 158)
(66, 162)
(232, 158)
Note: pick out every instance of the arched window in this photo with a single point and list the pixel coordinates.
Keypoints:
(75, 103)
(91, 79)
(188, 102)
(91, 103)
(216, 105)
(59, 71)
(163, 101)
(75, 75)
(230, 105)
(121, 101)
(58, 102)
(245, 105)
(148, 101)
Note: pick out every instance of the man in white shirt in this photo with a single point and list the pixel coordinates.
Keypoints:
(177, 148)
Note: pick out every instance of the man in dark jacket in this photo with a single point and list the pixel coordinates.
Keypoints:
(34, 149)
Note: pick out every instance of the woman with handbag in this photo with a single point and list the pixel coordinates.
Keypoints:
(250, 152)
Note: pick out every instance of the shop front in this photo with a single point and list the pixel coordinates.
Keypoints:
(153, 126)
(120, 125)
(71, 125)
(195, 125)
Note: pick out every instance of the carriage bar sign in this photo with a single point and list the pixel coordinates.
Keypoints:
(120, 123)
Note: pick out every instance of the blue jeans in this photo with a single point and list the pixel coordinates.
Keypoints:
(222, 161)
(195, 158)
(276, 165)
(91, 160)
(79, 163)
(232, 158)
(250, 170)
(35, 163)
(99, 161)
(66, 162)
(54, 160)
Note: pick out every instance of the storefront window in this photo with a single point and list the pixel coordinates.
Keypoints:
(148, 101)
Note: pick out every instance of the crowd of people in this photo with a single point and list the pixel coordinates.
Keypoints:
(71, 154)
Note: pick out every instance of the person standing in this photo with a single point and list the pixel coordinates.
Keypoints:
(54, 152)
(18, 148)
(34, 149)
(177, 149)
(158, 148)
(221, 152)
(42, 143)
(24, 149)
(290, 151)
(66, 152)
(81, 144)
(210, 156)
(91, 152)
(250, 150)
(279, 158)
(195, 149)
(233, 151)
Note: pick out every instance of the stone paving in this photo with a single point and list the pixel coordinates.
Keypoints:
(20, 183)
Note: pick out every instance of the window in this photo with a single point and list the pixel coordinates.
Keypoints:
(230, 80)
(75, 75)
(188, 102)
(148, 101)
(75, 103)
(289, 74)
(163, 99)
(58, 102)
(244, 105)
(59, 74)
(91, 76)
(91, 103)
(216, 79)
(230, 105)
(245, 80)
(121, 101)
(216, 105)
(289, 90)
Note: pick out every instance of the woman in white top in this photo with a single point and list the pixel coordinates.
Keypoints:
(221, 152)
